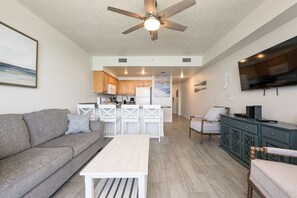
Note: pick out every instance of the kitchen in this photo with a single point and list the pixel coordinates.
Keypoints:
(141, 91)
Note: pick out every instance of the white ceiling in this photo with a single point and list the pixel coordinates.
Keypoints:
(91, 26)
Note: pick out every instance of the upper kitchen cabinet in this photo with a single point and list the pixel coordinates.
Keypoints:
(143, 83)
(127, 87)
(98, 81)
(101, 81)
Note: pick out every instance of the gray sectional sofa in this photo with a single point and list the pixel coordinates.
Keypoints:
(36, 158)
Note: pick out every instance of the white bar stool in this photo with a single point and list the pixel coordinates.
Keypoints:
(83, 109)
(152, 113)
(130, 113)
(108, 113)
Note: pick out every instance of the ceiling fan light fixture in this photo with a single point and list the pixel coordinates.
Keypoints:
(152, 23)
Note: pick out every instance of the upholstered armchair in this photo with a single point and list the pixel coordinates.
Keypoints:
(270, 178)
(209, 124)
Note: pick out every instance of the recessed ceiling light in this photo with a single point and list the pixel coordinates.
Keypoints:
(126, 72)
(182, 74)
(260, 56)
(142, 72)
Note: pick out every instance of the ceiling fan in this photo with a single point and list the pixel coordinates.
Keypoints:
(152, 20)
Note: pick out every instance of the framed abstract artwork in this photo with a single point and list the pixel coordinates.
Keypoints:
(162, 86)
(18, 58)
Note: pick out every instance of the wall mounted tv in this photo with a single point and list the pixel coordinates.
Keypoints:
(274, 67)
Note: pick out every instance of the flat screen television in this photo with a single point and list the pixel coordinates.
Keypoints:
(274, 67)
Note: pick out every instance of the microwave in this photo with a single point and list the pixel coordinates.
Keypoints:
(111, 89)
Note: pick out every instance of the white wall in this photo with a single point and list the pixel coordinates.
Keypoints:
(64, 69)
(282, 107)
(100, 61)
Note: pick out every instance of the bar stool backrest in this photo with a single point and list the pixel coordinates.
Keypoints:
(83, 109)
(107, 112)
(151, 112)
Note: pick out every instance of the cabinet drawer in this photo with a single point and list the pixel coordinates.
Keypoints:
(252, 128)
(275, 134)
(224, 120)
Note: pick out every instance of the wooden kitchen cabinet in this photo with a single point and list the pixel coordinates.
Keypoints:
(143, 83)
(127, 87)
(100, 81)
(117, 85)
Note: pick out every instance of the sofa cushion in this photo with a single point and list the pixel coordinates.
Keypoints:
(209, 127)
(14, 136)
(78, 142)
(23, 171)
(274, 179)
(46, 125)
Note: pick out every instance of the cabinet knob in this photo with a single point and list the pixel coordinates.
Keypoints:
(246, 127)
(272, 133)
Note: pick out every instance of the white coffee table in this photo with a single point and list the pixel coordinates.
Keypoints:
(126, 156)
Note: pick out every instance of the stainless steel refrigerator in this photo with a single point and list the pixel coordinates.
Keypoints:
(143, 95)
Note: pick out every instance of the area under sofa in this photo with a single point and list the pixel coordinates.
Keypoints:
(36, 158)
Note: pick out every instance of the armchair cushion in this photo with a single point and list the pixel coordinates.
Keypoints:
(213, 114)
(274, 179)
(209, 127)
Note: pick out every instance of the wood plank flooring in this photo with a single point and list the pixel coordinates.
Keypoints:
(179, 167)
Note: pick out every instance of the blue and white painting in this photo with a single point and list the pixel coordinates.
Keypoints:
(162, 86)
(18, 55)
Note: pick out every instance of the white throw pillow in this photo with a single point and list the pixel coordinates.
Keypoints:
(213, 113)
(78, 123)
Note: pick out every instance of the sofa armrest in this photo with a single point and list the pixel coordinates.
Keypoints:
(272, 150)
(96, 126)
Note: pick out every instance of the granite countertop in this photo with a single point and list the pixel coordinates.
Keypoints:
(140, 106)
(119, 105)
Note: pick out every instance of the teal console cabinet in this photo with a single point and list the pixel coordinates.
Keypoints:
(239, 134)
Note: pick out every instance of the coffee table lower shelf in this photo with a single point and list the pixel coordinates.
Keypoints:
(117, 187)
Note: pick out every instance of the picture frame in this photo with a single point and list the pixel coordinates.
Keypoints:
(162, 86)
(18, 58)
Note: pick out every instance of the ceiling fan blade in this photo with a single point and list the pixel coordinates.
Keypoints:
(136, 27)
(154, 35)
(176, 8)
(174, 26)
(124, 12)
(150, 6)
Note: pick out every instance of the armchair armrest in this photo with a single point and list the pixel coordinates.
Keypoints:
(280, 151)
(272, 150)
(197, 116)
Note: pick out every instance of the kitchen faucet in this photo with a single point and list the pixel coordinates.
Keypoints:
(123, 98)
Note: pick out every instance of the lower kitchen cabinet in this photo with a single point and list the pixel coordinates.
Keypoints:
(239, 134)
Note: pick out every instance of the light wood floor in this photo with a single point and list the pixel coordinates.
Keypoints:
(180, 167)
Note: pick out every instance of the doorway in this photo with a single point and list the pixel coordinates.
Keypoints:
(175, 98)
